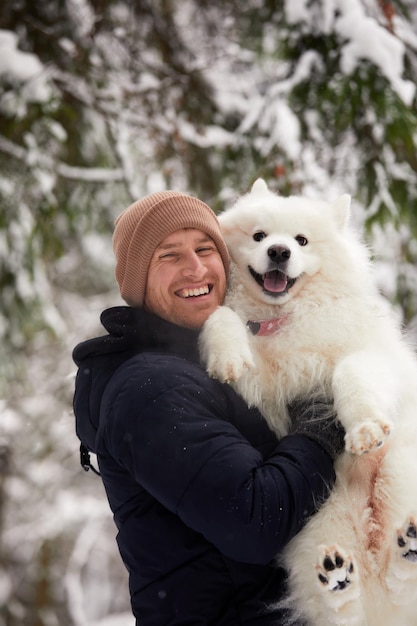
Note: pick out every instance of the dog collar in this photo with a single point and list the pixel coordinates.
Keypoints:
(264, 328)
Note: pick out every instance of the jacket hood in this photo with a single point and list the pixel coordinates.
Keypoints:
(131, 331)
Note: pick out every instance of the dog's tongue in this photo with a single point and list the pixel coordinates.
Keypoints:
(275, 281)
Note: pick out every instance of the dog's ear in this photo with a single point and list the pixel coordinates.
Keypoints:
(259, 186)
(227, 222)
(341, 210)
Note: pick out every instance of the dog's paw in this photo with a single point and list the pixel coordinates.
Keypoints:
(366, 436)
(407, 539)
(335, 569)
(228, 369)
(224, 346)
(401, 577)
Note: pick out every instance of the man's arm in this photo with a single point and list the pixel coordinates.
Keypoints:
(172, 434)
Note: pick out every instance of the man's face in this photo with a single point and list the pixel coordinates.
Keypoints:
(186, 278)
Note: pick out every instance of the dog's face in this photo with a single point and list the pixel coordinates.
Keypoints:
(279, 244)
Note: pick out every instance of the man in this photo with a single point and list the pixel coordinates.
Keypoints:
(203, 494)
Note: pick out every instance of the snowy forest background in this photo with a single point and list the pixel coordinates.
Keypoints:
(103, 101)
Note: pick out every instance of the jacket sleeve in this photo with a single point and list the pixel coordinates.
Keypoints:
(172, 433)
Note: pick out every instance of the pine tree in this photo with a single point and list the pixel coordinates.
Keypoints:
(124, 98)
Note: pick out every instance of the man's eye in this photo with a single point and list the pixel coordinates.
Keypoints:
(259, 235)
(205, 250)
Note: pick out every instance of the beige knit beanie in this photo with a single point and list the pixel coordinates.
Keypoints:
(144, 224)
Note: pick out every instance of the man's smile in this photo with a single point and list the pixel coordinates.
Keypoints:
(193, 292)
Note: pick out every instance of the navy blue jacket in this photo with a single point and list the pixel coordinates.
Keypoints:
(203, 495)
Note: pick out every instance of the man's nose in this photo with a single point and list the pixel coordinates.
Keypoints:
(194, 265)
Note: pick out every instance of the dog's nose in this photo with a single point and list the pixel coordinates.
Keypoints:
(279, 254)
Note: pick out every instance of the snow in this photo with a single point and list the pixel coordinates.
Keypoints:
(10, 422)
(283, 128)
(306, 66)
(23, 67)
(124, 619)
(364, 38)
(296, 11)
(213, 136)
(5, 587)
(91, 174)
(20, 65)
(82, 14)
(370, 41)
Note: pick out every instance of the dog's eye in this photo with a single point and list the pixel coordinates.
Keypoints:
(301, 240)
(259, 236)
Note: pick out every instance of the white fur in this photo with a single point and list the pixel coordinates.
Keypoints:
(337, 339)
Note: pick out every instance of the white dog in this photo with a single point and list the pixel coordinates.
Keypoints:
(302, 317)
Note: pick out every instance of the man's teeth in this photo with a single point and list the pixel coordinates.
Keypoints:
(188, 293)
